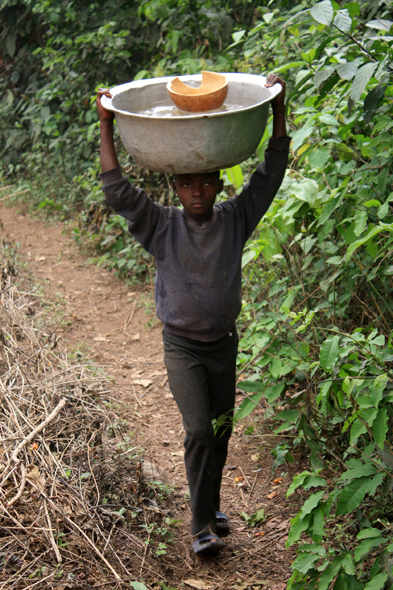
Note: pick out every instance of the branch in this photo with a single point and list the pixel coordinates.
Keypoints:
(21, 488)
(36, 430)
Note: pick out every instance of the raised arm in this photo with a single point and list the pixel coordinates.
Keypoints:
(278, 106)
(108, 158)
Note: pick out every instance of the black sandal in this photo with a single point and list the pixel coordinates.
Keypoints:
(222, 522)
(207, 544)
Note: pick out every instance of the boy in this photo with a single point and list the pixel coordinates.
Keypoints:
(198, 251)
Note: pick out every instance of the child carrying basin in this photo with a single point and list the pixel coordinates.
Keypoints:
(198, 251)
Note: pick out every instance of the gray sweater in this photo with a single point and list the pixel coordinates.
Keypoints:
(198, 280)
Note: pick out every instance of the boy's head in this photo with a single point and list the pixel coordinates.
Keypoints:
(197, 193)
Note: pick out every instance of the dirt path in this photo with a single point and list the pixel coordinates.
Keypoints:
(99, 316)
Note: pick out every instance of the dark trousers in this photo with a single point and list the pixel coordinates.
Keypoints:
(202, 378)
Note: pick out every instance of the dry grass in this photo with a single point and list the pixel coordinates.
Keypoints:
(69, 478)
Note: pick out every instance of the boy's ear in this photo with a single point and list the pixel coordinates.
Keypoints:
(220, 185)
(174, 186)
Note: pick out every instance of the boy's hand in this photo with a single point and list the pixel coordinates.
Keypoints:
(103, 114)
(278, 105)
(271, 80)
(108, 156)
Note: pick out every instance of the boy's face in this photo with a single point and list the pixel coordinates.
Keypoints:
(197, 193)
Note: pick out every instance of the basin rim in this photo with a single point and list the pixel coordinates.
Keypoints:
(231, 76)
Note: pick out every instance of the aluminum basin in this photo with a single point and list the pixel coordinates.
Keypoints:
(191, 142)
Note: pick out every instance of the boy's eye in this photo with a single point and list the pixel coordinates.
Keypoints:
(209, 183)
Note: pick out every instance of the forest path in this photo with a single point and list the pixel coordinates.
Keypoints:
(100, 317)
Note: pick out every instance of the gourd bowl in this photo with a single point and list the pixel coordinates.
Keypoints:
(208, 96)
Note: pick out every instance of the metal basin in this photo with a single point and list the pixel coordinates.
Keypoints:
(164, 139)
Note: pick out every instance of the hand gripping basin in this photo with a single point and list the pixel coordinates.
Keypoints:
(162, 138)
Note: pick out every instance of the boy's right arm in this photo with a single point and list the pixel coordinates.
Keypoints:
(144, 217)
(108, 158)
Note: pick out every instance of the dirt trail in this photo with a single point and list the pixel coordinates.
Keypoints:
(100, 316)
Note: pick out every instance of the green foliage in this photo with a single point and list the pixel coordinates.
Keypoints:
(318, 311)
(254, 519)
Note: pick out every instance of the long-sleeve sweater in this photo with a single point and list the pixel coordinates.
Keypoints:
(198, 279)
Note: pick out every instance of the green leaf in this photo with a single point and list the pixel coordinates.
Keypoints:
(371, 101)
(384, 211)
(300, 135)
(322, 12)
(248, 405)
(235, 176)
(377, 582)
(138, 586)
(357, 472)
(366, 546)
(329, 352)
(311, 503)
(347, 70)
(288, 415)
(298, 526)
(357, 429)
(343, 21)
(348, 564)
(329, 574)
(322, 75)
(369, 533)
(141, 74)
(304, 562)
(380, 427)
(248, 256)
(268, 17)
(273, 392)
(313, 481)
(252, 386)
(306, 191)
(297, 481)
(44, 113)
(383, 180)
(360, 223)
(352, 495)
(380, 24)
(10, 43)
(238, 36)
(347, 582)
(318, 526)
(362, 78)
(285, 67)
(329, 120)
(353, 8)
(371, 232)
(319, 158)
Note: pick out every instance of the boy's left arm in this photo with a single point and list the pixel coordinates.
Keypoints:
(257, 195)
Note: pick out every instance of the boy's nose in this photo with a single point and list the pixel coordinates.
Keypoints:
(198, 189)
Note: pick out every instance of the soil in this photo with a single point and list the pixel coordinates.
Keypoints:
(99, 316)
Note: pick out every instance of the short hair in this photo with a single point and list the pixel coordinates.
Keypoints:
(215, 173)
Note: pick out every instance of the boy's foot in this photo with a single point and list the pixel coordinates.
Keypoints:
(207, 544)
(222, 522)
